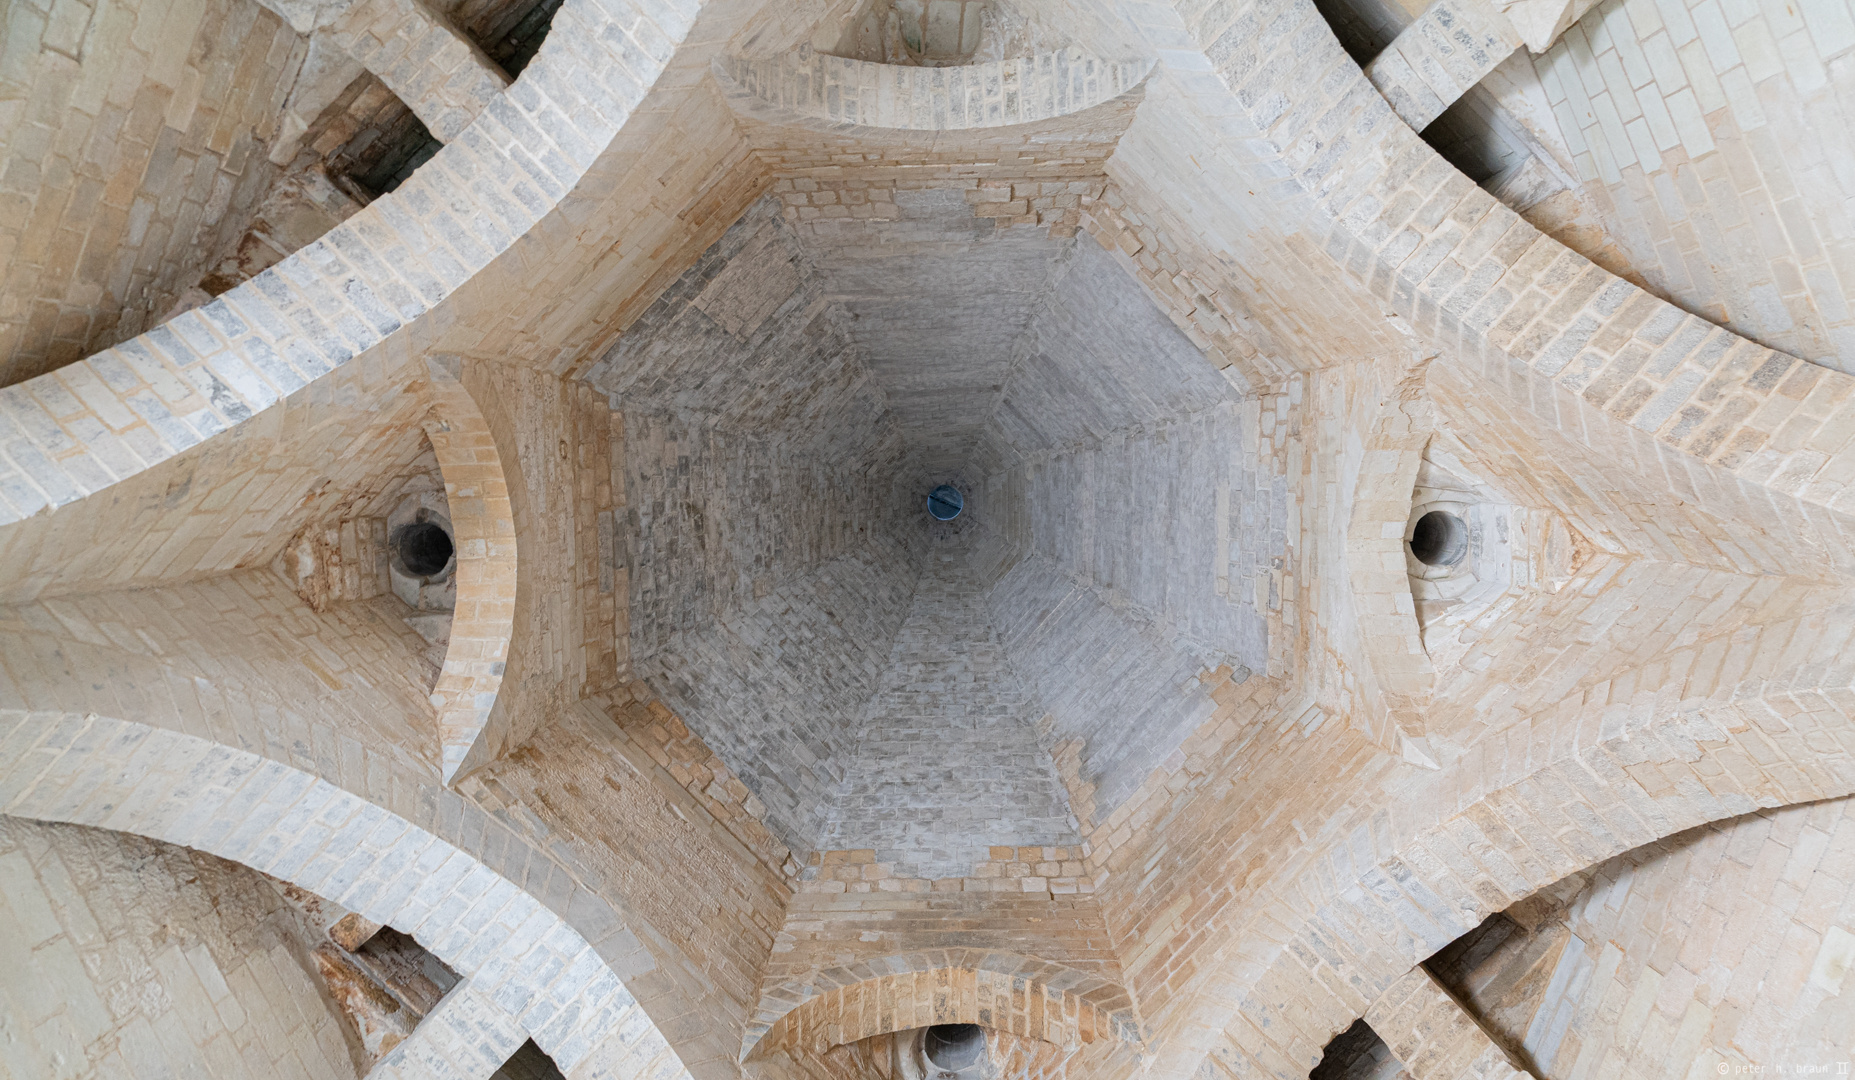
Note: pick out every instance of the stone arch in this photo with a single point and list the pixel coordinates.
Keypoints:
(483, 626)
(1671, 404)
(117, 415)
(1005, 991)
(1680, 405)
(1398, 666)
(1557, 803)
(527, 972)
(834, 92)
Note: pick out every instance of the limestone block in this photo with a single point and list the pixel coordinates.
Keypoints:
(1435, 60)
(1540, 22)
(1434, 1036)
(822, 89)
(441, 75)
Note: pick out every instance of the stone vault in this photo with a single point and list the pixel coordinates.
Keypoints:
(470, 607)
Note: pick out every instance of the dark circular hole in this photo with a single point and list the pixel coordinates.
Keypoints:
(424, 548)
(945, 502)
(1440, 539)
(954, 1046)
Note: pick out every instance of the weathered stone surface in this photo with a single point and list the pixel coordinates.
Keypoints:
(1170, 756)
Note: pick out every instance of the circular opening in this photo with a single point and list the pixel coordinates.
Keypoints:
(945, 502)
(954, 1046)
(424, 549)
(1440, 539)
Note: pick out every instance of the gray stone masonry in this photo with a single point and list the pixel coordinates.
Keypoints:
(767, 571)
(947, 763)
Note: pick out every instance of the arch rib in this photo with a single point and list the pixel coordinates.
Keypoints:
(524, 966)
(483, 625)
(1005, 991)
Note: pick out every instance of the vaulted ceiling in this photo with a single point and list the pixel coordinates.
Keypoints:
(811, 371)
(1171, 729)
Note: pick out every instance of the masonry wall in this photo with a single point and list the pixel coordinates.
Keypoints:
(1146, 526)
(1217, 247)
(1358, 1054)
(242, 654)
(766, 572)
(332, 446)
(643, 812)
(243, 661)
(1716, 949)
(136, 166)
(941, 297)
(718, 518)
(1689, 632)
(946, 763)
(777, 685)
(1625, 514)
(558, 445)
(126, 957)
(1018, 948)
(713, 511)
(1712, 138)
(1701, 142)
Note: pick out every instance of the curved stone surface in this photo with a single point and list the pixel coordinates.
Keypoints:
(484, 622)
(840, 92)
(1199, 577)
(1735, 423)
(1381, 593)
(1009, 992)
(1560, 803)
(525, 967)
(95, 423)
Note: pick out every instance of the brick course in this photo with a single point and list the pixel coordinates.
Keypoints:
(744, 741)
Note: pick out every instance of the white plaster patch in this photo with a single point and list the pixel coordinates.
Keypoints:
(1833, 960)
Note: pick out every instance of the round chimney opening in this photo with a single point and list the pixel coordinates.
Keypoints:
(1440, 539)
(945, 502)
(424, 548)
(953, 1046)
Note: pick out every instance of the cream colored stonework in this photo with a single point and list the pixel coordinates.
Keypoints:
(464, 547)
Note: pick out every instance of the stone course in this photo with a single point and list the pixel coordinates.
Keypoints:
(330, 704)
(132, 958)
(733, 764)
(537, 972)
(1434, 1035)
(441, 75)
(1662, 939)
(1487, 283)
(946, 763)
(136, 168)
(483, 524)
(1703, 131)
(996, 93)
(998, 991)
(1442, 53)
(214, 368)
